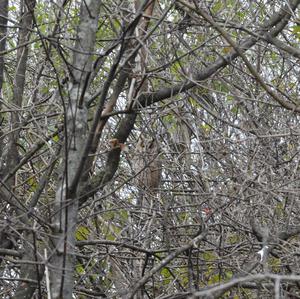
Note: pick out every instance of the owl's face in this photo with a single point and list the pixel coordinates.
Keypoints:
(146, 145)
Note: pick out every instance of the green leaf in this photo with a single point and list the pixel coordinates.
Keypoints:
(233, 238)
(296, 31)
(79, 269)
(279, 209)
(206, 128)
(32, 183)
(218, 6)
(275, 264)
(166, 275)
(208, 256)
(55, 138)
(235, 109)
(214, 279)
(12, 8)
(82, 233)
(229, 98)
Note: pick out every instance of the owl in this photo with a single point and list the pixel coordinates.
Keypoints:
(147, 164)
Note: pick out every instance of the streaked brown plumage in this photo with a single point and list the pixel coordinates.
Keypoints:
(147, 165)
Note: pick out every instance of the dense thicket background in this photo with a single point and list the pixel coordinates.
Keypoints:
(149, 149)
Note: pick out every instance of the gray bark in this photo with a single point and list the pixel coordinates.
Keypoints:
(3, 30)
(65, 208)
(4, 241)
(19, 83)
(29, 272)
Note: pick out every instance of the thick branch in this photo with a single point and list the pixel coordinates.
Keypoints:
(279, 20)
